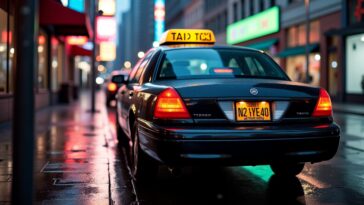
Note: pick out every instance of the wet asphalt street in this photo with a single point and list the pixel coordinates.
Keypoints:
(78, 161)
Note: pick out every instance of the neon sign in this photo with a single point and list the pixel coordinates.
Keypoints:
(159, 18)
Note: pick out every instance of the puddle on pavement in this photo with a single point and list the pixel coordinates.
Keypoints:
(65, 168)
(89, 134)
(62, 182)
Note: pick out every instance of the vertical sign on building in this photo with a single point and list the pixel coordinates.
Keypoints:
(159, 16)
(106, 30)
(107, 7)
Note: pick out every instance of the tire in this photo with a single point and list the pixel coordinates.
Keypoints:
(108, 102)
(122, 138)
(143, 168)
(287, 169)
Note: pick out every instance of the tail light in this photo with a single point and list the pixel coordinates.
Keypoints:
(170, 106)
(323, 107)
(112, 87)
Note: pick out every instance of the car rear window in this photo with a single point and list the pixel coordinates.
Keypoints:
(194, 63)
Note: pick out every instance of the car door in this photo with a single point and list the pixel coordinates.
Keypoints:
(130, 90)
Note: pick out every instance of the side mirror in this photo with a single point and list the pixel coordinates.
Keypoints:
(118, 79)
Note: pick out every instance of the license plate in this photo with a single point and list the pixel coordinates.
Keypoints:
(252, 111)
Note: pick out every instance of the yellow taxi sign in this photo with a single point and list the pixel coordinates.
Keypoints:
(179, 36)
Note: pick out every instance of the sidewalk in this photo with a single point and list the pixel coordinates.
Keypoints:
(75, 157)
(356, 109)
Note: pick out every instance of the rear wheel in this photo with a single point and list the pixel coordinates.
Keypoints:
(143, 168)
(287, 169)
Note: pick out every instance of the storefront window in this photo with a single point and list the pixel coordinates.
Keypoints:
(297, 34)
(296, 68)
(56, 64)
(314, 32)
(333, 65)
(42, 60)
(292, 36)
(301, 40)
(354, 64)
(3, 50)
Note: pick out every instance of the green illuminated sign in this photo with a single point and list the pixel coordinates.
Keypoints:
(261, 24)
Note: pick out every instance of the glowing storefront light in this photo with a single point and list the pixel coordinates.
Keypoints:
(85, 66)
(2, 48)
(76, 40)
(317, 57)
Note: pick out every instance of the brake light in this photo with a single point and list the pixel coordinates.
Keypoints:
(112, 87)
(170, 106)
(223, 70)
(323, 107)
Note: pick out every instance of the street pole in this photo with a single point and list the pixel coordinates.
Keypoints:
(93, 60)
(307, 6)
(26, 29)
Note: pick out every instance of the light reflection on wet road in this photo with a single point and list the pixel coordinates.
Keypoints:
(337, 181)
(78, 161)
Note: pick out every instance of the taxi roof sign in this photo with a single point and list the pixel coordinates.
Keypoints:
(187, 36)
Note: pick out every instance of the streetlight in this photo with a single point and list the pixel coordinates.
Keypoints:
(127, 64)
(141, 54)
(307, 7)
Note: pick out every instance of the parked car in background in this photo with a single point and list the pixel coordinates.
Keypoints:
(111, 88)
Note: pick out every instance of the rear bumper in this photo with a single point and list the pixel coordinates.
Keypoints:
(239, 145)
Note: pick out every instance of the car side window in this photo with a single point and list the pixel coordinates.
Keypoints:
(134, 70)
(139, 68)
(149, 69)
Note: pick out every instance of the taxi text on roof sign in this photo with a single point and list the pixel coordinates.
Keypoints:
(178, 36)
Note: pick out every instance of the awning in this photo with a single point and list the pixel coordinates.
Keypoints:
(263, 45)
(63, 20)
(350, 30)
(299, 50)
(75, 50)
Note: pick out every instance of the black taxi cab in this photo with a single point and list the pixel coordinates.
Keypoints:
(190, 102)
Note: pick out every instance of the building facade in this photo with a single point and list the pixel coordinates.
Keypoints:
(216, 18)
(211, 14)
(136, 30)
(351, 39)
(56, 73)
(193, 15)
(335, 43)
(286, 43)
